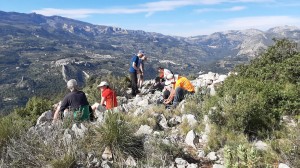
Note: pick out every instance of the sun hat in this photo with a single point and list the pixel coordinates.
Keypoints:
(103, 83)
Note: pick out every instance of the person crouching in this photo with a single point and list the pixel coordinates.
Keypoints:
(181, 86)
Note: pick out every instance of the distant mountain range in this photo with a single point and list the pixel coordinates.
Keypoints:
(38, 53)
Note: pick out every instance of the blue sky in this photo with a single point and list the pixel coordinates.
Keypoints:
(169, 17)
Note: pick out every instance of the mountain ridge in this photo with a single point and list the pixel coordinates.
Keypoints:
(33, 46)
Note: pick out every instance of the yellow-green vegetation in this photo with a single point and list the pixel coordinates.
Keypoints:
(30, 150)
(184, 127)
(146, 119)
(287, 147)
(117, 83)
(254, 100)
(194, 106)
(119, 136)
(240, 156)
(67, 161)
(33, 109)
(11, 126)
(250, 106)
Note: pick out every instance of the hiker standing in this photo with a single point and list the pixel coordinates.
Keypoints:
(134, 70)
(142, 68)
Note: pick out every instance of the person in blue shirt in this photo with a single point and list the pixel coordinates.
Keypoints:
(134, 70)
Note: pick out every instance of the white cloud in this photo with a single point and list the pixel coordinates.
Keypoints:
(236, 8)
(149, 8)
(259, 22)
(232, 9)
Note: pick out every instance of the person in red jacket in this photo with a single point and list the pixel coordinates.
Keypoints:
(108, 97)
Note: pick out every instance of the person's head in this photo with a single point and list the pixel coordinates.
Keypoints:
(103, 85)
(144, 58)
(171, 79)
(141, 53)
(160, 69)
(72, 85)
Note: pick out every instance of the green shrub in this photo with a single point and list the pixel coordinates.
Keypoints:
(11, 126)
(254, 100)
(118, 84)
(67, 161)
(219, 137)
(119, 136)
(42, 149)
(194, 106)
(33, 109)
(288, 147)
(240, 156)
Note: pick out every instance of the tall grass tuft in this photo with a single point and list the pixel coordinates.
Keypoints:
(119, 136)
(11, 126)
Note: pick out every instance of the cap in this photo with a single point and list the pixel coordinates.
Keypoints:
(141, 52)
(169, 79)
(103, 83)
(71, 83)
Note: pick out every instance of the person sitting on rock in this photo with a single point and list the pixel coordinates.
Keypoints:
(75, 103)
(108, 97)
(181, 86)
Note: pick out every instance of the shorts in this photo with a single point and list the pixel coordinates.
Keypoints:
(140, 76)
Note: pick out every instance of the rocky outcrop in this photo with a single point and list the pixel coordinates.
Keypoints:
(167, 130)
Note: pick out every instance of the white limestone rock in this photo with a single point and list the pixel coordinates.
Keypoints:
(79, 130)
(212, 156)
(189, 139)
(174, 121)
(218, 166)
(191, 119)
(181, 163)
(107, 154)
(143, 103)
(45, 117)
(282, 165)
(144, 130)
(130, 162)
(163, 122)
(260, 145)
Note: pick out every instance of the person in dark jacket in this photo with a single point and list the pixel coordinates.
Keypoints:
(74, 103)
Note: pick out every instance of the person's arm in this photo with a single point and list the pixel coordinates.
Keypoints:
(142, 68)
(134, 64)
(170, 98)
(64, 105)
(135, 67)
(103, 100)
(57, 112)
